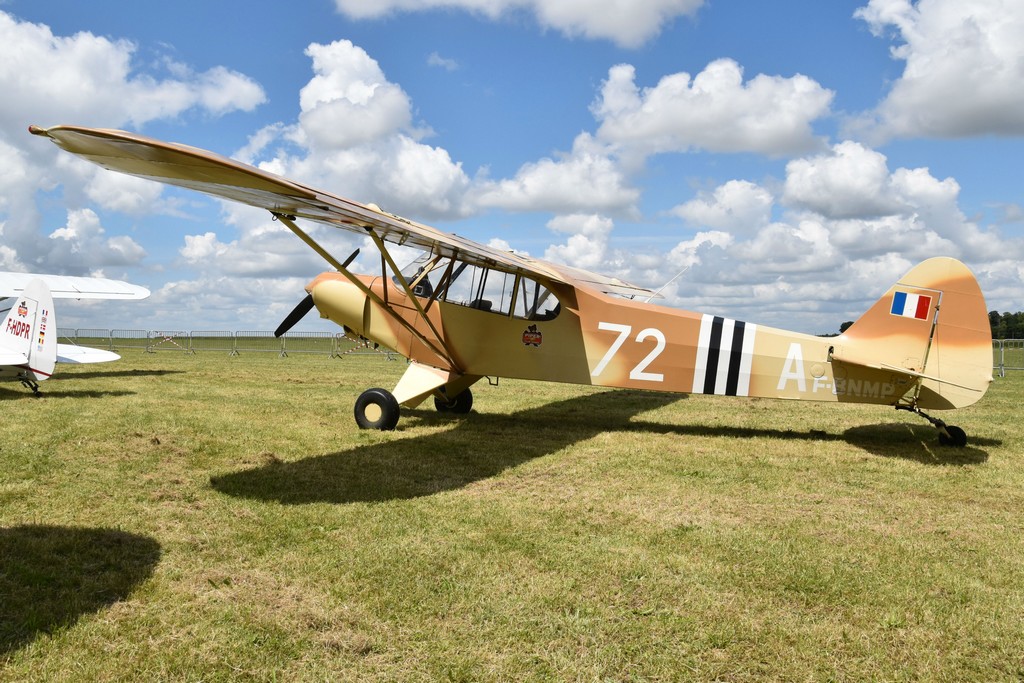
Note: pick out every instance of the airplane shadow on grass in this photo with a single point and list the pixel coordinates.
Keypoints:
(92, 374)
(44, 392)
(52, 575)
(483, 445)
(480, 446)
(47, 389)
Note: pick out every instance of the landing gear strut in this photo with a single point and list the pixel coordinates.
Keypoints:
(949, 435)
(30, 384)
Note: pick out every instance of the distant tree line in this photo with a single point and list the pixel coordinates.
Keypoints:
(1007, 325)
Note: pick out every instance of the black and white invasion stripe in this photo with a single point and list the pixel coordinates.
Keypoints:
(725, 351)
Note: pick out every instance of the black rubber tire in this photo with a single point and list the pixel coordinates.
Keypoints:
(460, 405)
(957, 437)
(376, 409)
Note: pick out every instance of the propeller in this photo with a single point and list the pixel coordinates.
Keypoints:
(297, 314)
(306, 305)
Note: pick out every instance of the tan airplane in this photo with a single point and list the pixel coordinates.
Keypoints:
(464, 311)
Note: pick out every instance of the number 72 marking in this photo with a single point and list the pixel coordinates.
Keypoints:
(640, 371)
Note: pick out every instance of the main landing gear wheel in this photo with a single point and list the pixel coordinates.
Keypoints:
(376, 409)
(460, 404)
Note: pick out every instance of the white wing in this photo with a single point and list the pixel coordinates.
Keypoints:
(69, 287)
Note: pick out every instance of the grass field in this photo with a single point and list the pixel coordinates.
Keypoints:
(205, 518)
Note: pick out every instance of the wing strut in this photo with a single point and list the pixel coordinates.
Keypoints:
(441, 351)
(405, 285)
(290, 223)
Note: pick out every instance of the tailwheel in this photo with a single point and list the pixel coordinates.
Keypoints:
(952, 436)
(460, 404)
(949, 435)
(376, 409)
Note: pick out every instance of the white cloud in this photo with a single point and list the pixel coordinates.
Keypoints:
(738, 206)
(687, 253)
(963, 73)
(349, 101)
(850, 181)
(224, 302)
(89, 80)
(127, 194)
(587, 243)
(587, 179)
(850, 227)
(355, 136)
(82, 245)
(867, 206)
(629, 24)
(199, 248)
(221, 90)
(434, 59)
(93, 80)
(264, 248)
(715, 111)
(14, 173)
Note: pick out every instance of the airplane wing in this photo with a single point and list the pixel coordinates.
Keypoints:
(68, 287)
(200, 170)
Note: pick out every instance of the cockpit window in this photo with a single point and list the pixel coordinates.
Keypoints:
(481, 288)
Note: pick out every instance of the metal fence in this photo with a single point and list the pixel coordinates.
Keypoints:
(231, 343)
(1008, 355)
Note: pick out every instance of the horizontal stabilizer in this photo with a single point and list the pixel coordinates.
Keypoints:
(921, 375)
(12, 358)
(906, 372)
(72, 353)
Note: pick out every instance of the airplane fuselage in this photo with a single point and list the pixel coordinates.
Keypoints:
(604, 340)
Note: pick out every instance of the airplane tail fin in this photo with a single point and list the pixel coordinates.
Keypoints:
(933, 327)
(30, 330)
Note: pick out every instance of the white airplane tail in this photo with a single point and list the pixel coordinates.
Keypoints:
(28, 335)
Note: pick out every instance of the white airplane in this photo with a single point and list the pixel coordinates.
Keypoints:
(29, 350)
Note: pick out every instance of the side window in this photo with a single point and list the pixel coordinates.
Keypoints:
(534, 301)
(499, 292)
(468, 287)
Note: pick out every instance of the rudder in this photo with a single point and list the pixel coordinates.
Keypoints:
(30, 329)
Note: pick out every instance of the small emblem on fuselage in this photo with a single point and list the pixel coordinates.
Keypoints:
(532, 336)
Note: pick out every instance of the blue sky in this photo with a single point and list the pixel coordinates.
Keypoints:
(795, 158)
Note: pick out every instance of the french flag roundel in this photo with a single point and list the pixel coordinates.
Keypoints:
(907, 305)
